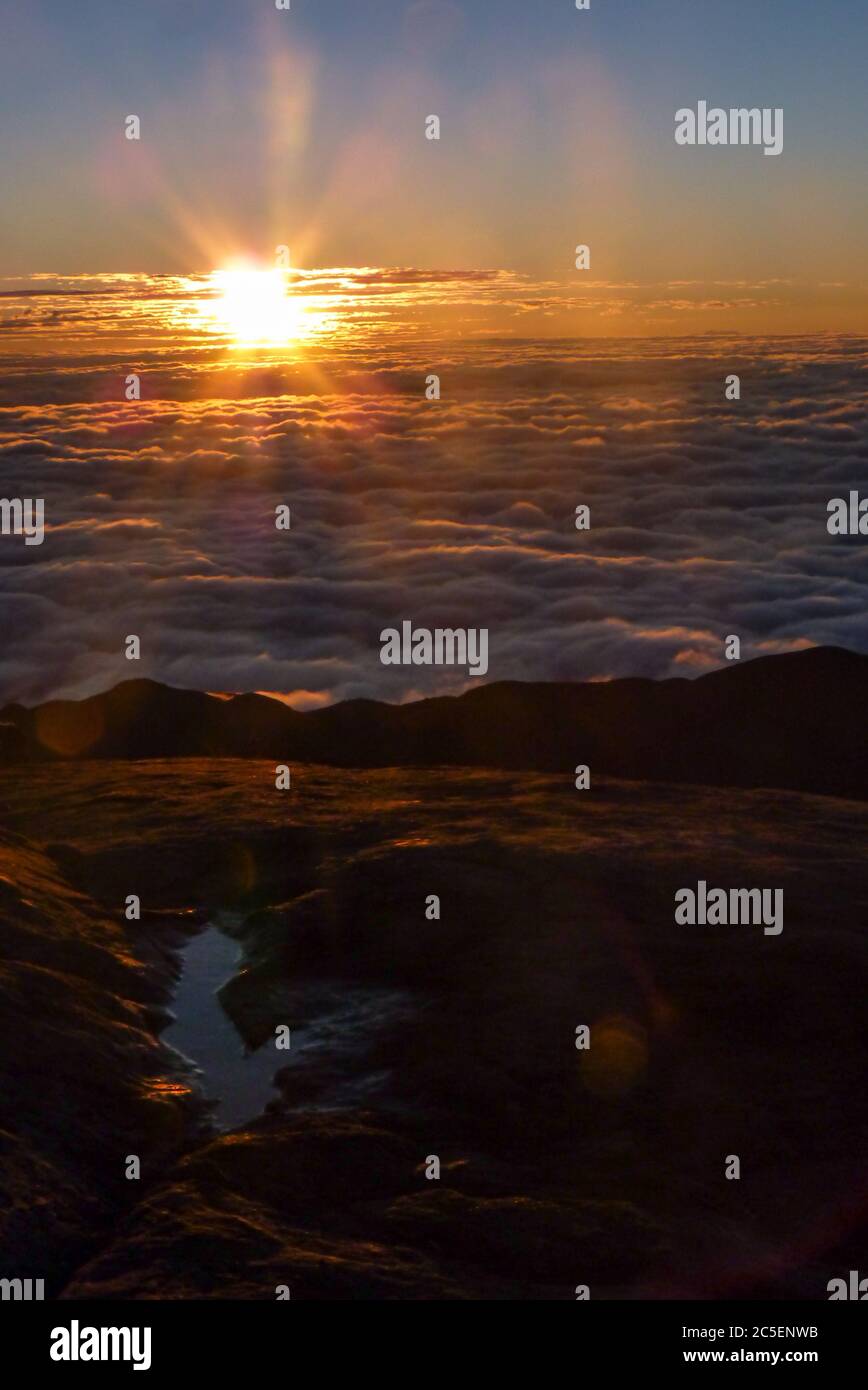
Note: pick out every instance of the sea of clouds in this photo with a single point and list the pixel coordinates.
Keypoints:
(708, 516)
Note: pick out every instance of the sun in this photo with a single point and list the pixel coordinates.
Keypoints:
(257, 306)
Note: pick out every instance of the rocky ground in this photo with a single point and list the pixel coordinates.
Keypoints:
(558, 1167)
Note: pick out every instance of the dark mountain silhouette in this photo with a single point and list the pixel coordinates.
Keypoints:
(792, 721)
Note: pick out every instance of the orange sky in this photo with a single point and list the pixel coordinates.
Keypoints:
(369, 309)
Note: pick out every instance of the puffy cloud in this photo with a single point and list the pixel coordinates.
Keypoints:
(708, 516)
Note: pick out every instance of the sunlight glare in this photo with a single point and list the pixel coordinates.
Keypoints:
(255, 306)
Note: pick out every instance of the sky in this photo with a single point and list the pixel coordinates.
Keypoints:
(558, 387)
(306, 128)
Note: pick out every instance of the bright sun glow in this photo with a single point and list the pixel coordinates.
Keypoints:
(256, 306)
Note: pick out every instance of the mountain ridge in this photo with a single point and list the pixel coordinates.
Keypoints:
(792, 720)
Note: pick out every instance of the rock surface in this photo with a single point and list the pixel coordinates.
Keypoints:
(558, 1166)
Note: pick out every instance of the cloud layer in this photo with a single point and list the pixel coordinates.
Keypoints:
(708, 517)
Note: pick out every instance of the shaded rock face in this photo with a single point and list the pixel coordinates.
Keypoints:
(557, 1166)
(83, 1079)
(337, 1207)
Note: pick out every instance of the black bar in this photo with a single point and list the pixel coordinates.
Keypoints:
(247, 1338)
